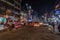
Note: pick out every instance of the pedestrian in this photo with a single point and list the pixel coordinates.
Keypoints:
(2, 21)
(10, 25)
(59, 27)
(53, 25)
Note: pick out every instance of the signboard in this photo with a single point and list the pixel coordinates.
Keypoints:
(57, 12)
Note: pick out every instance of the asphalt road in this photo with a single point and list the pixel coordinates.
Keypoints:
(28, 33)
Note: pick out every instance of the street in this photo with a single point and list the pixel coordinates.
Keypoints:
(28, 33)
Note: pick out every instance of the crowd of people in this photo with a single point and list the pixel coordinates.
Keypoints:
(13, 22)
(10, 22)
(54, 21)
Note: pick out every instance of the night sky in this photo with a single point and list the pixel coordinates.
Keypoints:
(41, 6)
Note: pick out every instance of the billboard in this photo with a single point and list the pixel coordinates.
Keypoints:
(57, 12)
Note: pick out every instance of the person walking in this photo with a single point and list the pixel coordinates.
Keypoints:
(2, 21)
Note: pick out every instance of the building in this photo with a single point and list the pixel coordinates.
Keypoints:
(14, 6)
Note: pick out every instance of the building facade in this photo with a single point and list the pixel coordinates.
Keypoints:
(14, 6)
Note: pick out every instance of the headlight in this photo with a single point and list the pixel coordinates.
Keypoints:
(40, 23)
(49, 29)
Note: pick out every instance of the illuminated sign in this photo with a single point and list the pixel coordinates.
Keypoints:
(57, 12)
